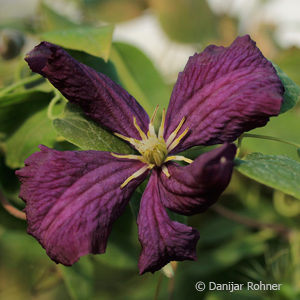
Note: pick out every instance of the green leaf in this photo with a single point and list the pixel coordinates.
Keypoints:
(76, 128)
(79, 279)
(187, 21)
(97, 63)
(139, 76)
(37, 129)
(112, 11)
(275, 128)
(51, 20)
(278, 172)
(292, 90)
(15, 108)
(96, 41)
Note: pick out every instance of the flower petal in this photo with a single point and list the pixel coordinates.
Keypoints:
(162, 239)
(99, 97)
(72, 199)
(224, 92)
(192, 189)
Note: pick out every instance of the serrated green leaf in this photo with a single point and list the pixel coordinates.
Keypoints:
(37, 129)
(292, 90)
(139, 76)
(79, 279)
(76, 128)
(96, 41)
(278, 172)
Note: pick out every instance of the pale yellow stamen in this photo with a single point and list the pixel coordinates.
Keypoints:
(136, 174)
(179, 158)
(129, 156)
(165, 171)
(125, 138)
(153, 148)
(177, 141)
(154, 114)
(141, 132)
(151, 131)
(174, 133)
(162, 125)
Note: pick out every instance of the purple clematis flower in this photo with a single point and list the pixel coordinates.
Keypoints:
(73, 197)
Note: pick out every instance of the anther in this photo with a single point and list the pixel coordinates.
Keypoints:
(179, 158)
(129, 156)
(141, 132)
(174, 133)
(154, 114)
(177, 141)
(165, 171)
(162, 125)
(136, 174)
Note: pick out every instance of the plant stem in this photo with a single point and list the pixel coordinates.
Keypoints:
(229, 214)
(11, 209)
(52, 103)
(20, 83)
(160, 278)
(271, 138)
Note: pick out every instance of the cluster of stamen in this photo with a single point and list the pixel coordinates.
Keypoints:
(153, 148)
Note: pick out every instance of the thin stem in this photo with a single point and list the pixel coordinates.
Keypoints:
(11, 209)
(52, 103)
(229, 214)
(271, 138)
(239, 146)
(160, 278)
(171, 288)
(20, 83)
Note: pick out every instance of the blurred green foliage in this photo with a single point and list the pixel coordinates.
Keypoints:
(252, 236)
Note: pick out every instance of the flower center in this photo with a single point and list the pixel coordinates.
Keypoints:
(153, 148)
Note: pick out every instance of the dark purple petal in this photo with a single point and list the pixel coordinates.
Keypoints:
(99, 97)
(162, 239)
(72, 199)
(193, 188)
(223, 92)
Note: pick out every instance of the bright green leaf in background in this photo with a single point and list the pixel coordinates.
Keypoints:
(15, 108)
(139, 76)
(278, 172)
(112, 10)
(96, 41)
(24, 125)
(51, 20)
(187, 21)
(97, 63)
(76, 128)
(283, 127)
(24, 141)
